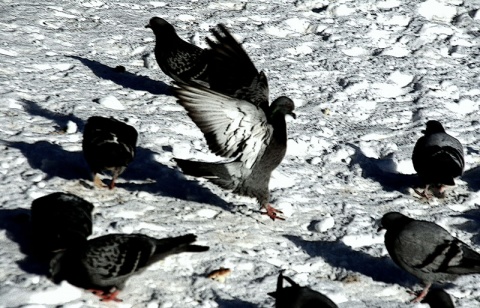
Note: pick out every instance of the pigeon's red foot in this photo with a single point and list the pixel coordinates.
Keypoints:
(421, 295)
(107, 296)
(424, 193)
(273, 213)
(112, 184)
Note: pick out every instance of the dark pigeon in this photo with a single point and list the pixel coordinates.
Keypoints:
(60, 220)
(427, 251)
(108, 144)
(178, 59)
(103, 264)
(437, 158)
(250, 133)
(296, 296)
(438, 298)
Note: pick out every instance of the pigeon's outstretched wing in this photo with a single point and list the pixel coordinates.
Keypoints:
(231, 71)
(233, 128)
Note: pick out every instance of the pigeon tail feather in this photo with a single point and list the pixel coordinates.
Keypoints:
(216, 173)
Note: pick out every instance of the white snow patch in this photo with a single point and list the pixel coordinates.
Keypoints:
(342, 10)
(325, 224)
(207, 213)
(111, 102)
(303, 49)
(275, 31)
(436, 10)
(362, 240)
(10, 53)
(388, 4)
(388, 90)
(280, 180)
(157, 3)
(405, 167)
(464, 106)
(56, 296)
(400, 78)
(398, 50)
(71, 127)
(299, 25)
(355, 51)
(186, 17)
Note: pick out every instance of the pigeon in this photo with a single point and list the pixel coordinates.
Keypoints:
(108, 144)
(427, 251)
(178, 59)
(246, 130)
(103, 264)
(60, 220)
(437, 158)
(296, 296)
(438, 298)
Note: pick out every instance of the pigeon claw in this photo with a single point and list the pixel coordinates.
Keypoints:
(424, 193)
(98, 182)
(273, 213)
(107, 296)
(421, 295)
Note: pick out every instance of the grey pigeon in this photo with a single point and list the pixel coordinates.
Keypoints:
(438, 298)
(437, 158)
(427, 251)
(296, 296)
(231, 71)
(247, 130)
(60, 220)
(178, 59)
(108, 144)
(103, 264)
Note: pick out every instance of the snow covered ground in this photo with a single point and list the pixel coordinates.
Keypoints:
(365, 77)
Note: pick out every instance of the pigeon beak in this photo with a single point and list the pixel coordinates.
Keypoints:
(293, 115)
(148, 26)
(380, 229)
(273, 294)
(378, 225)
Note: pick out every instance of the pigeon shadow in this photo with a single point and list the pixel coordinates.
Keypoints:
(472, 178)
(60, 119)
(166, 181)
(234, 303)
(125, 79)
(472, 225)
(340, 255)
(52, 159)
(383, 171)
(16, 223)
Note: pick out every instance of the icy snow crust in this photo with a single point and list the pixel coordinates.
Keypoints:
(365, 77)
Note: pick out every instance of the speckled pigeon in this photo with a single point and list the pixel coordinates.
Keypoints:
(60, 220)
(108, 144)
(427, 251)
(178, 59)
(103, 264)
(437, 158)
(438, 298)
(296, 296)
(245, 129)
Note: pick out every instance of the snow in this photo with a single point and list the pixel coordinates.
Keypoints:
(365, 77)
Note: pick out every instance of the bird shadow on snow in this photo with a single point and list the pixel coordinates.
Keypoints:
(165, 181)
(16, 223)
(337, 254)
(125, 79)
(60, 119)
(383, 171)
(233, 303)
(472, 178)
(471, 226)
(53, 160)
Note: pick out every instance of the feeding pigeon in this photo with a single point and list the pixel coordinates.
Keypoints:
(298, 297)
(427, 251)
(178, 59)
(438, 298)
(437, 158)
(108, 144)
(60, 220)
(103, 264)
(252, 134)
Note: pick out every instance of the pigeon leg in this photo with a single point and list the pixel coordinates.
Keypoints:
(116, 173)
(272, 212)
(112, 183)
(107, 296)
(98, 182)
(422, 294)
(424, 193)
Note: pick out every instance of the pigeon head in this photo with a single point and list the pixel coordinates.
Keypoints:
(160, 26)
(283, 105)
(433, 127)
(393, 221)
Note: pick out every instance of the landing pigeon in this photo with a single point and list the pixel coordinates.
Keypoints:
(438, 298)
(108, 144)
(60, 220)
(178, 59)
(427, 251)
(103, 264)
(437, 158)
(247, 130)
(298, 297)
